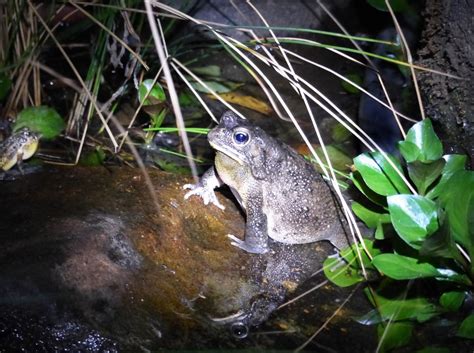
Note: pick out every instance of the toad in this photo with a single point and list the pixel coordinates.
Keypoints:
(18, 147)
(283, 196)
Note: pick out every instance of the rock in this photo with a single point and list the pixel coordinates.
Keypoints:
(86, 253)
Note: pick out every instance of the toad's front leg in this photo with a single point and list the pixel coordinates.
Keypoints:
(256, 234)
(205, 188)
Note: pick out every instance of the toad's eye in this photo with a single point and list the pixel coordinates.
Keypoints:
(241, 137)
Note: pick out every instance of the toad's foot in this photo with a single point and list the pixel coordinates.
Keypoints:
(207, 195)
(254, 249)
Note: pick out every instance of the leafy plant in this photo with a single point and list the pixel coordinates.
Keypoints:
(43, 120)
(153, 98)
(425, 228)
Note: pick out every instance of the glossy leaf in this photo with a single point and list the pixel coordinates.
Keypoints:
(452, 301)
(440, 244)
(401, 267)
(409, 151)
(413, 217)
(452, 276)
(379, 231)
(157, 93)
(370, 218)
(341, 273)
(454, 162)
(360, 184)
(394, 335)
(423, 175)
(379, 175)
(466, 329)
(458, 200)
(356, 252)
(371, 318)
(42, 120)
(425, 139)
(419, 309)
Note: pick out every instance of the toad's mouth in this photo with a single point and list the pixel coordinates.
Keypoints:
(228, 152)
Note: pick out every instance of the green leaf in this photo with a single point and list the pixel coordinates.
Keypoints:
(5, 85)
(157, 119)
(440, 244)
(360, 184)
(466, 329)
(409, 151)
(42, 120)
(351, 256)
(428, 145)
(458, 201)
(423, 175)
(452, 276)
(370, 218)
(379, 231)
(356, 78)
(413, 217)
(454, 162)
(434, 350)
(169, 166)
(402, 267)
(371, 318)
(419, 309)
(210, 70)
(94, 158)
(187, 99)
(452, 301)
(394, 335)
(379, 175)
(216, 86)
(339, 159)
(157, 93)
(339, 133)
(341, 273)
(396, 5)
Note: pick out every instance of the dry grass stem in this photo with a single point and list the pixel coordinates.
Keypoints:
(79, 78)
(407, 51)
(159, 45)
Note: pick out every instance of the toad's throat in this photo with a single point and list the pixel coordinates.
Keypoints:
(228, 152)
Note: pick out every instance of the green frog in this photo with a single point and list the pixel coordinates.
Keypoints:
(18, 147)
(283, 196)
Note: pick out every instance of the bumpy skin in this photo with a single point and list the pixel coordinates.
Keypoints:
(283, 196)
(18, 147)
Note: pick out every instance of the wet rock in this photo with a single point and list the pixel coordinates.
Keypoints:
(87, 253)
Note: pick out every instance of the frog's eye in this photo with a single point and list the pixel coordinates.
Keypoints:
(241, 137)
